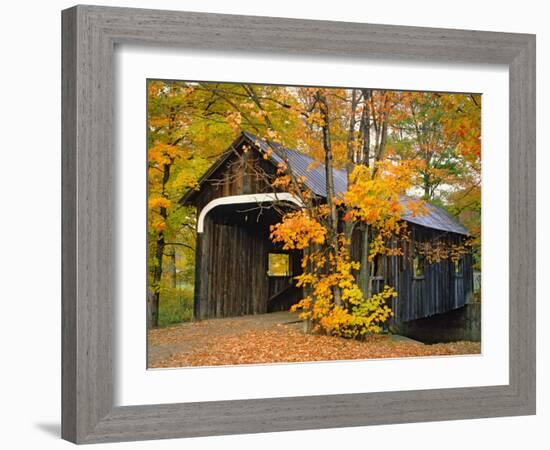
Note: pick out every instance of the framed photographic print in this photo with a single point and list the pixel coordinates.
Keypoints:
(268, 230)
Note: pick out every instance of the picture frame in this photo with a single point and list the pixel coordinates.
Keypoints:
(90, 34)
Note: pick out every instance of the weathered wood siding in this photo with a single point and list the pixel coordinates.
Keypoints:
(231, 278)
(232, 253)
(231, 272)
(438, 291)
(237, 176)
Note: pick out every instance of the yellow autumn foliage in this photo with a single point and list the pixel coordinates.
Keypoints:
(159, 202)
(355, 316)
(297, 231)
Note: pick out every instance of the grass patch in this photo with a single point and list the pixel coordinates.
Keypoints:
(176, 305)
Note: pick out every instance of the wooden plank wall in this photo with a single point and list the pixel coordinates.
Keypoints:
(231, 272)
(235, 177)
(231, 276)
(232, 280)
(439, 291)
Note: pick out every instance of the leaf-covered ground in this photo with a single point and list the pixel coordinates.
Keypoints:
(275, 338)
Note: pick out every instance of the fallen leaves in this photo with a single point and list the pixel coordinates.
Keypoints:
(241, 341)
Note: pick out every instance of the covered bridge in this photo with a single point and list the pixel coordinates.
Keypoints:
(239, 270)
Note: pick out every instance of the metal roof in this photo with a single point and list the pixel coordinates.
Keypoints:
(302, 165)
(436, 218)
(314, 174)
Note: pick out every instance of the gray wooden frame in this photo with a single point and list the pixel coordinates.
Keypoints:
(89, 36)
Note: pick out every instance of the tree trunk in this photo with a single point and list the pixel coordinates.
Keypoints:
(427, 183)
(157, 276)
(369, 281)
(352, 158)
(308, 291)
(364, 270)
(159, 253)
(363, 279)
(365, 129)
(172, 269)
(333, 213)
(150, 308)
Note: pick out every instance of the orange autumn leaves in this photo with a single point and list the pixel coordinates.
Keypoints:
(298, 231)
(375, 199)
(241, 341)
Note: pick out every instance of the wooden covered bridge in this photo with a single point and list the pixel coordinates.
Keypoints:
(239, 270)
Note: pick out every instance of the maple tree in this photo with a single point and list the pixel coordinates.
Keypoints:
(443, 133)
(340, 300)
